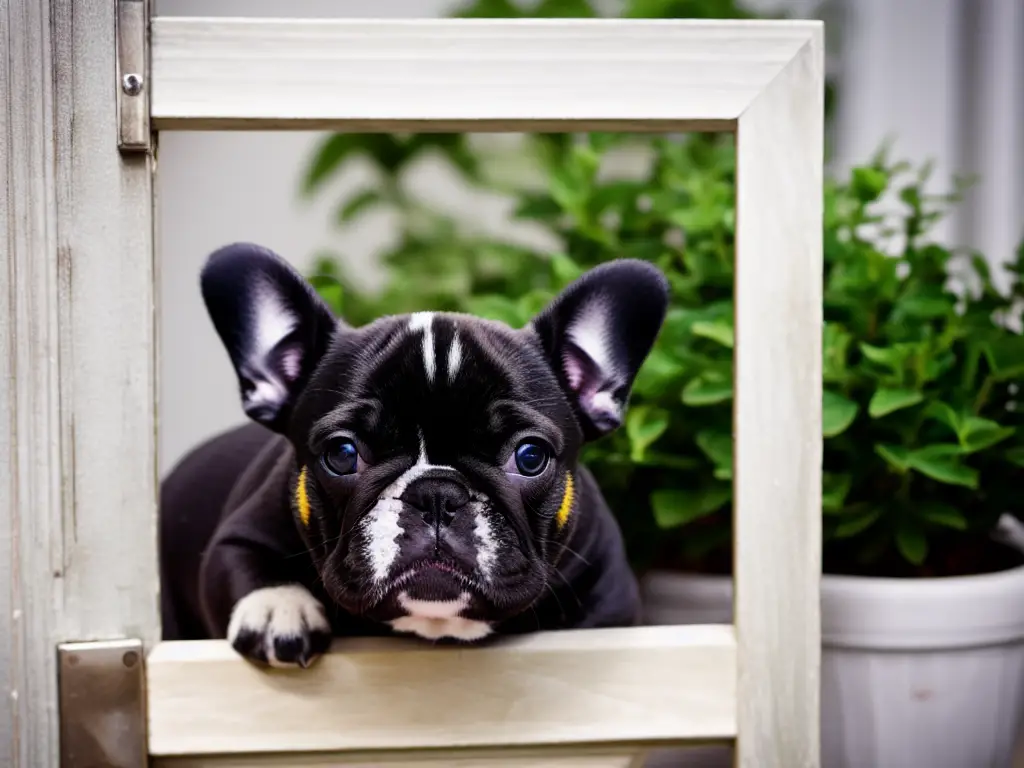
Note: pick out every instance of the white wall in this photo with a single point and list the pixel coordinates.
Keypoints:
(945, 83)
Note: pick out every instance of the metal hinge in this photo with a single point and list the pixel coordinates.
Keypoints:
(102, 704)
(132, 36)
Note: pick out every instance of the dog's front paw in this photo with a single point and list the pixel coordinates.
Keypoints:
(283, 626)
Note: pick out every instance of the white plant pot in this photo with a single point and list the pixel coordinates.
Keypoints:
(915, 673)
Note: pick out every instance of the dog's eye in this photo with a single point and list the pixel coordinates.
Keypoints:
(340, 457)
(531, 458)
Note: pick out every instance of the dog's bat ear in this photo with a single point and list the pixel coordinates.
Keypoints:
(597, 334)
(273, 324)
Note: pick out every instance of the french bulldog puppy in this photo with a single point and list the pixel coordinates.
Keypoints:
(417, 475)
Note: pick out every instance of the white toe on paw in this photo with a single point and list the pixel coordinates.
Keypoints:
(284, 626)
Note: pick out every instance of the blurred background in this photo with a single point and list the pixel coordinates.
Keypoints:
(942, 80)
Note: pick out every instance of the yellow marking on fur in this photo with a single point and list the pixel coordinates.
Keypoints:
(563, 511)
(302, 497)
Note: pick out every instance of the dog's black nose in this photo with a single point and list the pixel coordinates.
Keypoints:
(438, 499)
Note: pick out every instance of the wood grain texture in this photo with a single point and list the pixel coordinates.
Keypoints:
(778, 449)
(462, 74)
(77, 469)
(516, 757)
(647, 685)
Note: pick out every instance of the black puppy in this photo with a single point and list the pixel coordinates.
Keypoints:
(417, 475)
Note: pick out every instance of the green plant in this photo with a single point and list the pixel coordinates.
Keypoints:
(923, 446)
(923, 440)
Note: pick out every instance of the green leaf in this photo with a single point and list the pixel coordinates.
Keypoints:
(943, 515)
(837, 413)
(894, 455)
(834, 488)
(977, 434)
(540, 207)
(357, 204)
(495, 307)
(707, 389)
(856, 523)
(835, 350)
(911, 542)
(869, 183)
(717, 446)
(942, 462)
(1016, 456)
(973, 432)
(659, 373)
(565, 269)
(718, 330)
(1005, 356)
(892, 358)
(886, 400)
(673, 507)
(644, 425)
(332, 294)
(944, 414)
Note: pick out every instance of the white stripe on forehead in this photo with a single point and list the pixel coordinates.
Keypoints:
(454, 357)
(424, 321)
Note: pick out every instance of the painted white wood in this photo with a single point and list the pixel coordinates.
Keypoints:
(777, 422)
(651, 684)
(77, 465)
(505, 757)
(470, 74)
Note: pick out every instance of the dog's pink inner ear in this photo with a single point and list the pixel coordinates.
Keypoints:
(593, 386)
(289, 361)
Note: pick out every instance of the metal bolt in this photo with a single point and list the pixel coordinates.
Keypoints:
(131, 84)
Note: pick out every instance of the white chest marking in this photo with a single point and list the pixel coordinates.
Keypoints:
(434, 619)
(424, 321)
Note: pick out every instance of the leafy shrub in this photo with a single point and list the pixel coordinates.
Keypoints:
(923, 438)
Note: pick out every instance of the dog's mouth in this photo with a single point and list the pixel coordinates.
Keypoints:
(434, 599)
(433, 578)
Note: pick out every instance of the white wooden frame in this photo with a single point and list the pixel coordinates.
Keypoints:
(77, 349)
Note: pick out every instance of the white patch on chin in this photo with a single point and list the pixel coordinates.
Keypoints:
(436, 619)
(454, 357)
(283, 612)
(424, 321)
(487, 552)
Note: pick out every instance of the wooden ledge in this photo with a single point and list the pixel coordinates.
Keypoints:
(650, 685)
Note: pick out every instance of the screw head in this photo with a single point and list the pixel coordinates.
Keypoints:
(131, 84)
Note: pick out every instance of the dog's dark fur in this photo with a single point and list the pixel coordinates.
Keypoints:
(437, 523)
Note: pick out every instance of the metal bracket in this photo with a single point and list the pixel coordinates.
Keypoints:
(133, 85)
(102, 704)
